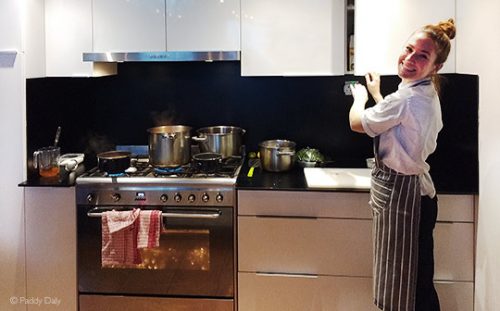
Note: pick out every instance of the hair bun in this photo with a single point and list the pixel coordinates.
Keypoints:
(448, 27)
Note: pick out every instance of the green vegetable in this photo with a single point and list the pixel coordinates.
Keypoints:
(309, 155)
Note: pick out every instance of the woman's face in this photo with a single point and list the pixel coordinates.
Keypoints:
(417, 59)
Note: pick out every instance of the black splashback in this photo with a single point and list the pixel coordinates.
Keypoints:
(98, 113)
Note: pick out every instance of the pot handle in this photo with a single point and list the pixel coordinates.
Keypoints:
(289, 153)
(170, 136)
(35, 159)
(198, 139)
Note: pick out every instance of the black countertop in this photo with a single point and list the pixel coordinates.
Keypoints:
(293, 180)
(64, 179)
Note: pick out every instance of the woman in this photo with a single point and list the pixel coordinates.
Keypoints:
(405, 126)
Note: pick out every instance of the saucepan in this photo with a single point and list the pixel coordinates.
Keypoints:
(113, 162)
(277, 155)
(207, 162)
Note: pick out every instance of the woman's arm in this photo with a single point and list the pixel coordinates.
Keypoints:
(358, 106)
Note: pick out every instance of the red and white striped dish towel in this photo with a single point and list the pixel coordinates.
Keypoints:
(124, 232)
(150, 223)
(119, 238)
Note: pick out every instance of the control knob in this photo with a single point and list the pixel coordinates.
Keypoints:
(116, 197)
(219, 197)
(177, 197)
(164, 198)
(191, 198)
(90, 197)
(205, 197)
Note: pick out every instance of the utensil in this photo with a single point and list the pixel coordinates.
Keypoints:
(253, 162)
(277, 155)
(225, 140)
(58, 133)
(170, 145)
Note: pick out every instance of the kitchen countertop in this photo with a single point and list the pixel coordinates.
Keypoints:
(65, 179)
(293, 180)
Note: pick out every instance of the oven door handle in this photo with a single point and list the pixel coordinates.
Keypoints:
(198, 214)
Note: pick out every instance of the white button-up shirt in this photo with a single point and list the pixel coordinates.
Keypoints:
(408, 122)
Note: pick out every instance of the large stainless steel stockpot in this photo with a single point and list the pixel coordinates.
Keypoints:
(277, 155)
(170, 145)
(224, 140)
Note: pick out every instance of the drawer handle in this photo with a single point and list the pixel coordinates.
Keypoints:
(288, 275)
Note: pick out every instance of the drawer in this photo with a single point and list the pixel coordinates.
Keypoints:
(456, 296)
(339, 247)
(268, 292)
(311, 246)
(282, 292)
(304, 204)
(454, 251)
(457, 208)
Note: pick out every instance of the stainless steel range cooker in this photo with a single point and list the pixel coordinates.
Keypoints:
(194, 266)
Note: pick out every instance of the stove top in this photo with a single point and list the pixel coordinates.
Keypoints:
(142, 172)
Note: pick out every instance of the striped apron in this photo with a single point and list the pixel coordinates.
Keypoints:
(395, 202)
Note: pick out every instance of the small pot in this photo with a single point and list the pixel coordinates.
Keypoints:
(225, 140)
(207, 162)
(113, 162)
(277, 155)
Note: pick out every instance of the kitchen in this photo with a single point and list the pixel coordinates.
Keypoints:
(223, 75)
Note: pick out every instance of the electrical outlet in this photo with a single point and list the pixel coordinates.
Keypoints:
(347, 88)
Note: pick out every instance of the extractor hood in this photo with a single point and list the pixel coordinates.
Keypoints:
(178, 56)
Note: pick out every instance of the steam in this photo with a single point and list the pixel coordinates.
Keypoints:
(165, 117)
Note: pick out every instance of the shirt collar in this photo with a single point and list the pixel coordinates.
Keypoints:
(424, 81)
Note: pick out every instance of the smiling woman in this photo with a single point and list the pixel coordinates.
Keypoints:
(405, 127)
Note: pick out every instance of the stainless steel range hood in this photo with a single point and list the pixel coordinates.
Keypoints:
(181, 56)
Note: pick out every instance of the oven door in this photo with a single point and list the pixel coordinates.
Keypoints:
(194, 259)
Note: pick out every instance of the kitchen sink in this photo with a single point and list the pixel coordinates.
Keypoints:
(337, 178)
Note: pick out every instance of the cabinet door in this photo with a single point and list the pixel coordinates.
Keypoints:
(212, 25)
(129, 26)
(302, 37)
(383, 27)
(68, 34)
(51, 247)
(272, 292)
(310, 246)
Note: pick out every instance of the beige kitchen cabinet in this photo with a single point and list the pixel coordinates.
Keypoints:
(306, 250)
(292, 38)
(50, 216)
(382, 28)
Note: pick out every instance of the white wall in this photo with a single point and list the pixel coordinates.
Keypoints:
(12, 98)
(478, 51)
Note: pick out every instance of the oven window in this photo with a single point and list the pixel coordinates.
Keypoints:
(180, 249)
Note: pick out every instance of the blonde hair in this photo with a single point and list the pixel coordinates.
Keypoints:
(441, 34)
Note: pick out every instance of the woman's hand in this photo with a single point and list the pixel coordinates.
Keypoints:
(373, 85)
(359, 92)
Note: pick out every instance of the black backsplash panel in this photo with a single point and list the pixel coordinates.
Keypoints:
(98, 113)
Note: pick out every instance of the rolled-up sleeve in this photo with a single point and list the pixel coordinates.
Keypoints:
(387, 114)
